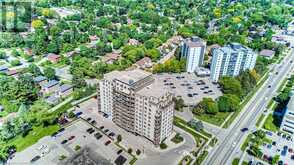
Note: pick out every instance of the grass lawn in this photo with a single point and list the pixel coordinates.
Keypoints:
(217, 119)
(200, 158)
(269, 124)
(246, 142)
(236, 161)
(260, 120)
(37, 133)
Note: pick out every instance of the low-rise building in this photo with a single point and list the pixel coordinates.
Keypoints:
(110, 58)
(54, 58)
(65, 90)
(50, 87)
(40, 80)
(288, 119)
(145, 62)
(202, 72)
(269, 54)
(3, 69)
(13, 73)
(134, 101)
(52, 100)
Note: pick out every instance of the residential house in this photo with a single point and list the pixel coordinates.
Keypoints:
(3, 69)
(109, 58)
(65, 90)
(13, 73)
(41, 80)
(50, 87)
(133, 42)
(145, 62)
(52, 100)
(54, 58)
(269, 54)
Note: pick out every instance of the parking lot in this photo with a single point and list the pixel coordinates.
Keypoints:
(281, 145)
(188, 86)
(50, 149)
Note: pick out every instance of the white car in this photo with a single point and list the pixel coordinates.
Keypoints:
(41, 147)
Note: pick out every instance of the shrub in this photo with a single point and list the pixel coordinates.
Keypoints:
(130, 150)
(163, 146)
(77, 147)
(119, 138)
(138, 152)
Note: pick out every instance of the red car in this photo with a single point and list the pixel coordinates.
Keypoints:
(72, 137)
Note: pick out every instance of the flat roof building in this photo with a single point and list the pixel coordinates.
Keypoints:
(133, 101)
(193, 50)
(288, 119)
(230, 60)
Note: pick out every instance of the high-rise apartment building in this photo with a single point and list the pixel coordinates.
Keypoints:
(288, 119)
(193, 50)
(134, 101)
(230, 60)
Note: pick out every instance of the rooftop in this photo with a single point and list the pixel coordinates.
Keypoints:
(51, 83)
(195, 42)
(267, 52)
(65, 87)
(128, 77)
(3, 67)
(39, 78)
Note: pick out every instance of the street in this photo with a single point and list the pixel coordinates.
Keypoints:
(233, 139)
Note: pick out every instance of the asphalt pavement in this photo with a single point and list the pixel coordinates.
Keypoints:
(233, 139)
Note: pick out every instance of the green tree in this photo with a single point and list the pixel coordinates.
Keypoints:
(231, 85)
(49, 73)
(208, 105)
(228, 103)
(34, 69)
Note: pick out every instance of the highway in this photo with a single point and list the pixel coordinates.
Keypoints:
(233, 137)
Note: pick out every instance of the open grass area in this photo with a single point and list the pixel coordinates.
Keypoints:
(246, 100)
(236, 161)
(217, 119)
(183, 125)
(200, 158)
(246, 142)
(269, 124)
(186, 160)
(34, 135)
(260, 119)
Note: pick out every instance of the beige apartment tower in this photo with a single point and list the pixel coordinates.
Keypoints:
(133, 101)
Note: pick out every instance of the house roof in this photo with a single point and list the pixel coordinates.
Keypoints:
(11, 72)
(51, 99)
(51, 83)
(53, 56)
(65, 87)
(40, 78)
(143, 61)
(3, 68)
(267, 52)
(111, 56)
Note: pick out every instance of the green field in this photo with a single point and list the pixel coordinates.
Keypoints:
(217, 119)
(37, 133)
(269, 124)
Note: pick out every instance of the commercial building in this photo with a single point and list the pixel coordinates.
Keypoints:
(288, 119)
(230, 60)
(133, 101)
(193, 50)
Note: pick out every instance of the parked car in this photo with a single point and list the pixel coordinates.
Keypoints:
(89, 129)
(64, 141)
(119, 151)
(61, 130)
(290, 150)
(292, 157)
(72, 137)
(111, 134)
(93, 122)
(284, 153)
(90, 132)
(102, 127)
(89, 118)
(269, 133)
(35, 158)
(244, 129)
(274, 143)
(98, 136)
(79, 114)
(280, 162)
(106, 130)
(107, 143)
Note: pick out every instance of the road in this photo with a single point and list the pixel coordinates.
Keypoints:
(233, 139)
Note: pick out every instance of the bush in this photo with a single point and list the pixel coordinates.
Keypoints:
(163, 146)
(71, 114)
(15, 63)
(119, 138)
(130, 150)
(177, 139)
(138, 152)
(61, 157)
(77, 147)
